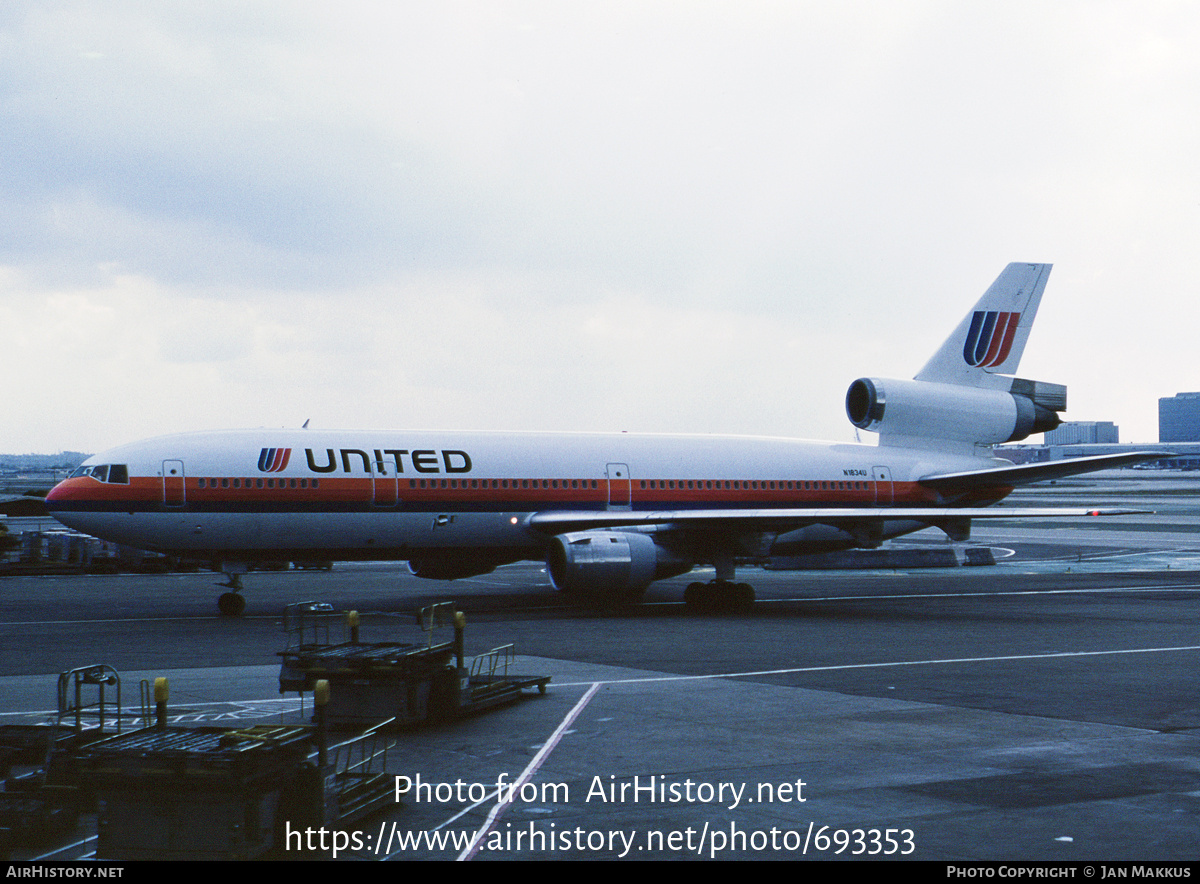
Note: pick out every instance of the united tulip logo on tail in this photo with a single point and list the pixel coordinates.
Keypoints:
(274, 460)
(990, 337)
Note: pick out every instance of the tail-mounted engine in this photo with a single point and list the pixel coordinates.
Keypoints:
(959, 413)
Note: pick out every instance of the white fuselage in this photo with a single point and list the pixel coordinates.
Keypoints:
(384, 494)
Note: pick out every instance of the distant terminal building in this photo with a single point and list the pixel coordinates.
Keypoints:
(1179, 418)
(1175, 456)
(1084, 433)
(1092, 438)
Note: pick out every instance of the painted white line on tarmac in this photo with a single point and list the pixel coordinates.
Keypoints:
(887, 665)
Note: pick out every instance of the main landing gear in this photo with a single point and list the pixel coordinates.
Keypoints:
(722, 595)
(719, 596)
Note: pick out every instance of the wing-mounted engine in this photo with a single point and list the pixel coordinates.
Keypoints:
(922, 410)
(610, 565)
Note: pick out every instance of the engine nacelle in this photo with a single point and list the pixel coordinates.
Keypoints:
(610, 565)
(926, 410)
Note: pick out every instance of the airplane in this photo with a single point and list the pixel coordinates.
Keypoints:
(609, 513)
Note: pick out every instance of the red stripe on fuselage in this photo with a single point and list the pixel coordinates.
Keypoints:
(490, 493)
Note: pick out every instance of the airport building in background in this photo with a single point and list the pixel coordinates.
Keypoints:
(1179, 418)
(1084, 433)
(1178, 438)
(1092, 438)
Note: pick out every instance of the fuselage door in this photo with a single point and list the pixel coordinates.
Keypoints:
(172, 476)
(384, 481)
(884, 491)
(620, 489)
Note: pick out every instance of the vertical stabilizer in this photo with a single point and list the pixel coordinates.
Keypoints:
(991, 338)
(965, 398)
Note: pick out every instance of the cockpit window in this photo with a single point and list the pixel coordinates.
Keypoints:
(117, 473)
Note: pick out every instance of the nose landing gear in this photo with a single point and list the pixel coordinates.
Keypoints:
(231, 604)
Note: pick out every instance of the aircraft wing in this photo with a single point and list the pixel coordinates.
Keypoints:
(1036, 472)
(780, 520)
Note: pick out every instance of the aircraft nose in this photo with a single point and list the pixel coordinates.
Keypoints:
(57, 494)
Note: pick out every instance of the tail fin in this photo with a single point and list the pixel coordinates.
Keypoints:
(991, 338)
(963, 398)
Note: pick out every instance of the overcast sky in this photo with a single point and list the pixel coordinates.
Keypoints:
(642, 216)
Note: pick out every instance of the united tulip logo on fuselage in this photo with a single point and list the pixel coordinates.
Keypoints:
(275, 460)
(990, 337)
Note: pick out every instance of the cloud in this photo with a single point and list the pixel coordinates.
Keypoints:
(293, 200)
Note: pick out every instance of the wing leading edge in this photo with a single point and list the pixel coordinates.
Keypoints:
(780, 520)
(1035, 472)
(788, 519)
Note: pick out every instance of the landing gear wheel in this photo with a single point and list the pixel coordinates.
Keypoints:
(231, 604)
(719, 596)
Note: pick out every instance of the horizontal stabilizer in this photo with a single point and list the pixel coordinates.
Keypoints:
(1024, 474)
